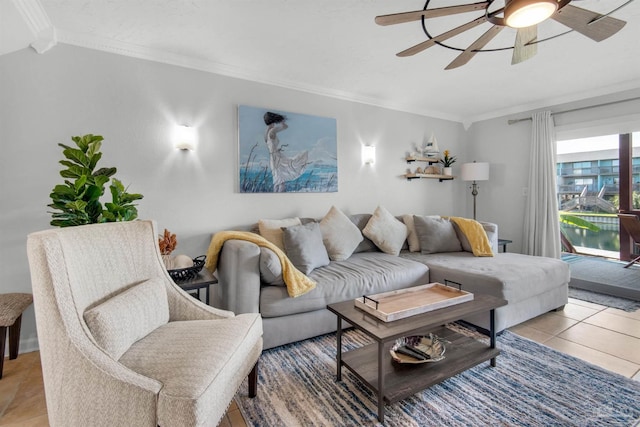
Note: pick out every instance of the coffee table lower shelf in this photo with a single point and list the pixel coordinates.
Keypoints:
(404, 380)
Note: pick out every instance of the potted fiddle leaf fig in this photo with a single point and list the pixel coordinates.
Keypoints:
(77, 201)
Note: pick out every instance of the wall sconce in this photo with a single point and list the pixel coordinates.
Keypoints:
(475, 172)
(184, 137)
(368, 154)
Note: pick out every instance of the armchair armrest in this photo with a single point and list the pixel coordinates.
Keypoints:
(184, 307)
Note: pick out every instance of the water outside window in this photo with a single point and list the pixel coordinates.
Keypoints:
(588, 187)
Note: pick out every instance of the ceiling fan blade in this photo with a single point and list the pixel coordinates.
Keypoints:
(591, 24)
(525, 48)
(442, 37)
(471, 51)
(400, 18)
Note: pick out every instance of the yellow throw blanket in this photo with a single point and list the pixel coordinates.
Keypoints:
(474, 232)
(297, 283)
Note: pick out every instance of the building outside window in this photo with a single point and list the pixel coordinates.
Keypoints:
(588, 186)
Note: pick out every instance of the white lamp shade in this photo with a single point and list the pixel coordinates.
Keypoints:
(475, 171)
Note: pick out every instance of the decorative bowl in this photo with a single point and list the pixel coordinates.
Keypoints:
(182, 274)
(429, 349)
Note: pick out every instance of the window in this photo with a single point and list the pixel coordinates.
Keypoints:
(591, 182)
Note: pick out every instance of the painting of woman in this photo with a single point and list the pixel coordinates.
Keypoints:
(284, 152)
(283, 168)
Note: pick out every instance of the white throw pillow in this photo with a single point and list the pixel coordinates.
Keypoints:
(129, 316)
(271, 229)
(386, 231)
(339, 235)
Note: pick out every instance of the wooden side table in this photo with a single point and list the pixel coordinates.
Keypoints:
(203, 280)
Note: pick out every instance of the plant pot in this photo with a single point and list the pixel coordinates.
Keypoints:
(448, 171)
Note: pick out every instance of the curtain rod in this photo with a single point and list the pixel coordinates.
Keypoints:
(512, 121)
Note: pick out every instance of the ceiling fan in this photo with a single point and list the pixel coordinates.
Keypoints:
(522, 15)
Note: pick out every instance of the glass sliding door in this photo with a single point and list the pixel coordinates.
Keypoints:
(629, 188)
(591, 181)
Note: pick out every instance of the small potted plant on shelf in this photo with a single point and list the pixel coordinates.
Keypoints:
(447, 160)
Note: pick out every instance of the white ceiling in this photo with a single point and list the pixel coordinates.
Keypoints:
(333, 47)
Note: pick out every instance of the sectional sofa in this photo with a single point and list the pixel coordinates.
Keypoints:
(365, 254)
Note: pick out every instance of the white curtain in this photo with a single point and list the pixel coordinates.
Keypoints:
(541, 221)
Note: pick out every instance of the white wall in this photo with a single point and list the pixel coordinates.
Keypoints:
(500, 199)
(46, 99)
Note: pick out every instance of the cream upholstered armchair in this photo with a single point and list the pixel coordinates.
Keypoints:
(121, 344)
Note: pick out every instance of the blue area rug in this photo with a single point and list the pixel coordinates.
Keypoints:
(532, 385)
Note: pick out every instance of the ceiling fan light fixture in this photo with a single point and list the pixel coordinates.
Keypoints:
(525, 13)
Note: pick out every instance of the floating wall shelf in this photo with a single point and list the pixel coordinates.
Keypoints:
(430, 160)
(440, 178)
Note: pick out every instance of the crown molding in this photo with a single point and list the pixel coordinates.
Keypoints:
(155, 55)
(34, 15)
(141, 52)
(38, 23)
(565, 99)
(46, 40)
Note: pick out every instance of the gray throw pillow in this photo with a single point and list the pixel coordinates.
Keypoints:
(270, 268)
(271, 229)
(303, 245)
(466, 246)
(436, 235)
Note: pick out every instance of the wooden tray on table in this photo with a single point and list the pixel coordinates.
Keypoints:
(394, 305)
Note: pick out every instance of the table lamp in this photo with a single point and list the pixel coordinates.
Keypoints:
(474, 172)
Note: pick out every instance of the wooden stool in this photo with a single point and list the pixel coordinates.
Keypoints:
(11, 308)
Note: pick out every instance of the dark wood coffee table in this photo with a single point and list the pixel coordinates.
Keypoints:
(392, 381)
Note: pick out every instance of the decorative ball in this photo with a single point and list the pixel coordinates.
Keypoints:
(182, 261)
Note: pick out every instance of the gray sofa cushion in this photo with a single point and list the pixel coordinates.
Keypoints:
(365, 273)
(303, 245)
(436, 235)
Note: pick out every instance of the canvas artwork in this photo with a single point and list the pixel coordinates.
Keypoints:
(282, 152)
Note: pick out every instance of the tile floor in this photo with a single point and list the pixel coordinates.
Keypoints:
(604, 336)
(600, 335)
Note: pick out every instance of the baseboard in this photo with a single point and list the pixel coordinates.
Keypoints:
(26, 346)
